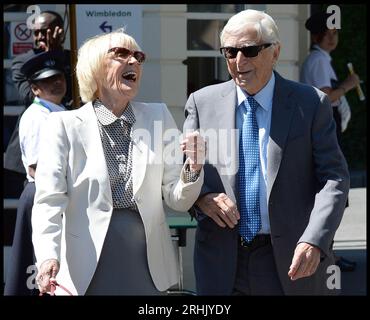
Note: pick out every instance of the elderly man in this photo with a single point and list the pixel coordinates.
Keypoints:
(267, 218)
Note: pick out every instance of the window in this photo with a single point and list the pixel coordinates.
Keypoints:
(204, 71)
(204, 34)
(205, 63)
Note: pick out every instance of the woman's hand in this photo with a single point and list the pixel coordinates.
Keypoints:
(194, 147)
(48, 271)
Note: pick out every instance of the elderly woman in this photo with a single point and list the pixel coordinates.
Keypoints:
(98, 221)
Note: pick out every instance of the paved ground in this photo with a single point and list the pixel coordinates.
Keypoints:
(350, 242)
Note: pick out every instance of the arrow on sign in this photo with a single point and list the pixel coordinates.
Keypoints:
(104, 27)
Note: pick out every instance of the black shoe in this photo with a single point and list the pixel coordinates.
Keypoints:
(345, 265)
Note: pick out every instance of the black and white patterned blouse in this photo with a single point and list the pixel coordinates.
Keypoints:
(116, 134)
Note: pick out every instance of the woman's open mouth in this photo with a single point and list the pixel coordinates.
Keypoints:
(130, 76)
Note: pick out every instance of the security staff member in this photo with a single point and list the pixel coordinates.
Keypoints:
(48, 35)
(45, 75)
(318, 72)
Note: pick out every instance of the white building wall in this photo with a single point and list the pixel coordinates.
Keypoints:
(164, 41)
(285, 17)
(303, 35)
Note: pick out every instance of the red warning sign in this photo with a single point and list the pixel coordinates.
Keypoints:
(21, 47)
(21, 39)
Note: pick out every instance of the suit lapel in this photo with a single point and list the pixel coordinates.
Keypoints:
(88, 132)
(282, 111)
(227, 147)
(140, 149)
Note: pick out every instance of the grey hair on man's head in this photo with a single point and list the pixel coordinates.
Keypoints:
(265, 26)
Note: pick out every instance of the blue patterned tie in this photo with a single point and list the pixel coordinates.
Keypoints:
(249, 173)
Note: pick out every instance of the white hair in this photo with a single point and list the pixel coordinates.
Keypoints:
(90, 60)
(265, 26)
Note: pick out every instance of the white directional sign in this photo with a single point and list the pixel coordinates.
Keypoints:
(97, 19)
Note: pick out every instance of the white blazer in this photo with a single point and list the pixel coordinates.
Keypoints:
(73, 200)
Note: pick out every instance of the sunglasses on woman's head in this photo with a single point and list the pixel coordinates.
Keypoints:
(124, 53)
(248, 52)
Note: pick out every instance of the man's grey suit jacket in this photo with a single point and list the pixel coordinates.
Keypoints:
(307, 183)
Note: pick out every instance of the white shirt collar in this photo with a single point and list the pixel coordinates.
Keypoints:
(51, 105)
(263, 97)
(107, 117)
(325, 53)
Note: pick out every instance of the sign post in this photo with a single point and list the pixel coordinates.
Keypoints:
(75, 94)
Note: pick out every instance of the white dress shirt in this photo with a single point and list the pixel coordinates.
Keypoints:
(317, 70)
(29, 130)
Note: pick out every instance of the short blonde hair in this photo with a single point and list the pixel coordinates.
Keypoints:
(91, 60)
(265, 26)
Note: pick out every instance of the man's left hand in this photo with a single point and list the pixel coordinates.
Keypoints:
(305, 261)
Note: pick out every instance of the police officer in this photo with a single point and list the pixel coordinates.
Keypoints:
(45, 74)
(48, 35)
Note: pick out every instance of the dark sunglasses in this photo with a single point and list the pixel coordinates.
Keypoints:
(124, 53)
(36, 32)
(249, 52)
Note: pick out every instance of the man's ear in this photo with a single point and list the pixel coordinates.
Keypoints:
(315, 38)
(35, 89)
(276, 54)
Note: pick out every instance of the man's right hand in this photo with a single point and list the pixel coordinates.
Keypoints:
(220, 208)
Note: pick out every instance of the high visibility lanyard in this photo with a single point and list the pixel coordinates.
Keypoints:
(43, 104)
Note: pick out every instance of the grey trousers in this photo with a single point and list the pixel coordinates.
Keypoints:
(123, 266)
